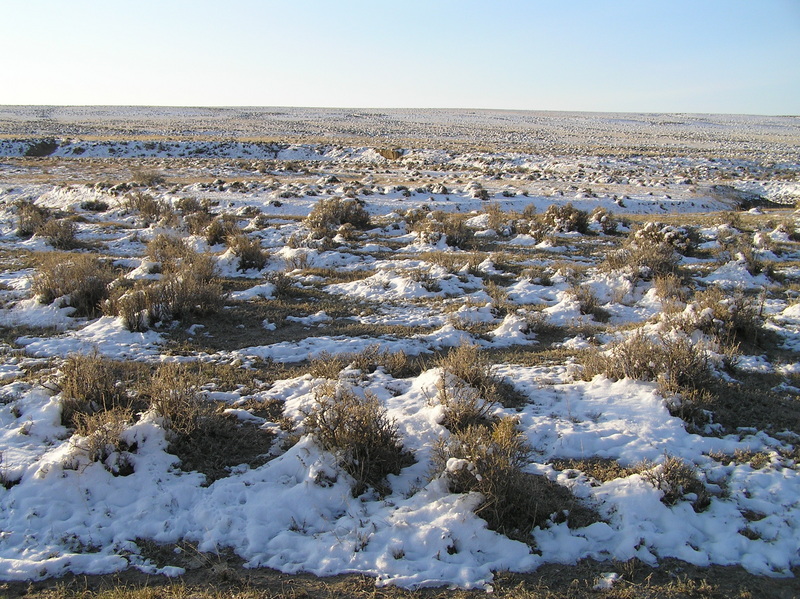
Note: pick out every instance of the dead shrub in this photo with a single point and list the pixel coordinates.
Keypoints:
(565, 218)
(174, 394)
(148, 177)
(329, 215)
(358, 431)
(221, 228)
(30, 217)
(249, 252)
(81, 279)
(167, 249)
(146, 205)
(676, 479)
(103, 441)
(192, 289)
(491, 461)
(674, 361)
(59, 233)
(90, 384)
(730, 317)
(588, 304)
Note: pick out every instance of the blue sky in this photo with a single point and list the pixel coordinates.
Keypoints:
(723, 56)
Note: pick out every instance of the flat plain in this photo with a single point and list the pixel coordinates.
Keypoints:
(293, 352)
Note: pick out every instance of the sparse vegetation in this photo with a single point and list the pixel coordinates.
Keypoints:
(410, 313)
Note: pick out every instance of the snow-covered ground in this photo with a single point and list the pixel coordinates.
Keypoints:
(403, 288)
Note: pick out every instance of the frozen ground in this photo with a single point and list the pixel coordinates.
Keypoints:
(538, 299)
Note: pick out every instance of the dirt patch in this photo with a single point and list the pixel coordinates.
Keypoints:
(218, 576)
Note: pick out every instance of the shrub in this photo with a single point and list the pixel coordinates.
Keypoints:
(148, 177)
(92, 384)
(740, 247)
(146, 205)
(189, 286)
(167, 249)
(606, 219)
(174, 395)
(81, 278)
(103, 439)
(44, 147)
(198, 222)
(397, 364)
(648, 259)
(249, 252)
(469, 390)
(192, 288)
(676, 479)
(682, 239)
(452, 227)
(221, 228)
(94, 205)
(588, 304)
(328, 215)
(469, 364)
(30, 217)
(357, 429)
(501, 222)
(284, 284)
(674, 361)
(138, 308)
(730, 317)
(565, 219)
(189, 206)
(491, 461)
(59, 233)
(669, 287)
(204, 438)
(463, 405)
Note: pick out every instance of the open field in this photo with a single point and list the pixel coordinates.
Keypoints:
(551, 354)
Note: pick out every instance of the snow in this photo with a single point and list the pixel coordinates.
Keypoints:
(61, 513)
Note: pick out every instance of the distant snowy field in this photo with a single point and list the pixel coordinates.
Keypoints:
(267, 169)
